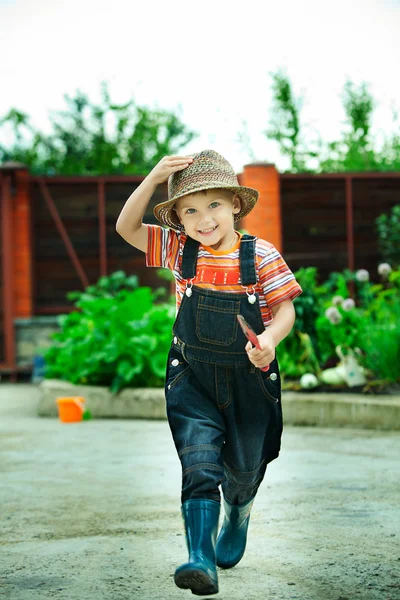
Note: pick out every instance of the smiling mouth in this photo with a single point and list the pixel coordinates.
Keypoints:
(207, 231)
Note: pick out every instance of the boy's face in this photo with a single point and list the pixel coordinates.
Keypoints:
(208, 216)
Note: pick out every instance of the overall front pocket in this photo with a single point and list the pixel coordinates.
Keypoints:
(270, 388)
(177, 367)
(216, 321)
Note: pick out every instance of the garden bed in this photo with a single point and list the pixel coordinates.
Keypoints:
(339, 345)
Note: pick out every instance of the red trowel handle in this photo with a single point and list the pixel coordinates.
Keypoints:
(251, 336)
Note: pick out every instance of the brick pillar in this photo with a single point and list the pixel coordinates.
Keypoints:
(264, 221)
(21, 235)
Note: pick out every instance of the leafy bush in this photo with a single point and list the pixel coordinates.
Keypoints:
(118, 337)
(306, 304)
(296, 355)
(338, 327)
(297, 352)
(110, 284)
(327, 316)
(120, 333)
(381, 346)
(337, 284)
(380, 334)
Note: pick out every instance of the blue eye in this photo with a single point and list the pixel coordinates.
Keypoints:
(214, 204)
(190, 209)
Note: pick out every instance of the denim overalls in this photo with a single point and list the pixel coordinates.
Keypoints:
(225, 414)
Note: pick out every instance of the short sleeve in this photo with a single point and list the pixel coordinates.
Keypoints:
(276, 279)
(162, 247)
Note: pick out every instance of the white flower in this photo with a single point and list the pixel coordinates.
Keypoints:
(336, 319)
(384, 269)
(308, 381)
(348, 304)
(333, 315)
(337, 300)
(362, 275)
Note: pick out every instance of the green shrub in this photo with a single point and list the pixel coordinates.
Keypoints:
(326, 317)
(297, 352)
(346, 332)
(108, 285)
(296, 355)
(306, 304)
(380, 334)
(337, 284)
(118, 337)
(381, 346)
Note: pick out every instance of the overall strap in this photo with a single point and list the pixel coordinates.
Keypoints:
(247, 255)
(189, 258)
(248, 274)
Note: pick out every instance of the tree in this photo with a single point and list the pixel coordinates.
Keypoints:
(91, 139)
(354, 151)
(285, 122)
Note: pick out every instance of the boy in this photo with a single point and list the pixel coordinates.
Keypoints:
(223, 410)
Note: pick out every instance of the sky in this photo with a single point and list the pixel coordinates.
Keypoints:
(213, 59)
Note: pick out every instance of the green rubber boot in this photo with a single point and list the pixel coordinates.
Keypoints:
(199, 574)
(231, 542)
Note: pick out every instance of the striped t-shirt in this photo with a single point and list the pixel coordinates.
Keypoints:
(220, 270)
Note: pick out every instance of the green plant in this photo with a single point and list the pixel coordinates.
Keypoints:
(108, 284)
(116, 338)
(338, 326)
(354, 150)
(284, 125)
(327, 317)
(297, 352)
(310, 344)
(334, 324)
(381, 348)
(388, 227)
(380, 333)
(338, 284)
(339, 316)
(96, 139)
(307, 304)
(296, 355)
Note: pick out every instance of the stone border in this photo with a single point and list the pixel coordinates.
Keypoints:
(305, 408)
(342, 410)
(131, 403)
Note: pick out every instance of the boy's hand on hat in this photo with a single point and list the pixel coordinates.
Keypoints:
(167, 166)
(265, 356)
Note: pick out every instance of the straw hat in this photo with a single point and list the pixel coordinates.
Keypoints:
(208, 171)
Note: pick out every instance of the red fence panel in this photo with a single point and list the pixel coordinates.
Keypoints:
(74, 236)
(328, 220)
(371, 197)
(314, 223)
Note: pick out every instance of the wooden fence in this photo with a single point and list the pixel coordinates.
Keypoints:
(58, 233)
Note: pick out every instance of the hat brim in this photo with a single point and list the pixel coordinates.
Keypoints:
(167, 216)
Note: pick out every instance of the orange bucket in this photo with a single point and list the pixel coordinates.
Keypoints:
(70, 408)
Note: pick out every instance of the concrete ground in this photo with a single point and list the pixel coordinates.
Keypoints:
(90, 511)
